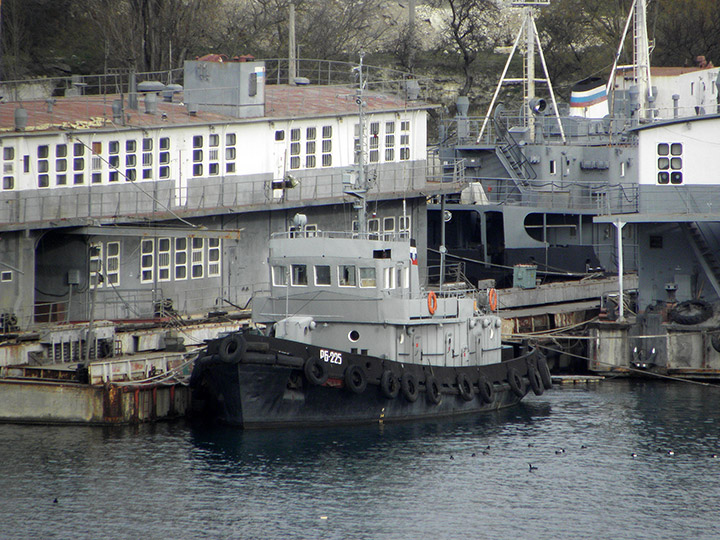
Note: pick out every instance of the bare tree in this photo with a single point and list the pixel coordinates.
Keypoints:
(469, 31)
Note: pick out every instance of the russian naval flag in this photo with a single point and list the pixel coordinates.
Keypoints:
(589, 99)
(413, 253)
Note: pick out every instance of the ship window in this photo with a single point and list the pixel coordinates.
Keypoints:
(353, 335)
(8, 182)
(663, 163)
(322, 275)
(389, 226)
(367, 277)
(656, 241)
(181, 258)
(381, 253)
(388, 278)
(405, 225)
(663, 177)
(346, 275)
(373, 228)
(8, 153)
(95, 259)
(676, 149)
(279, 276)
(299, 275)
(663, 149)
(6, 276)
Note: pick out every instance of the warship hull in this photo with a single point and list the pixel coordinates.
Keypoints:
(256, 381)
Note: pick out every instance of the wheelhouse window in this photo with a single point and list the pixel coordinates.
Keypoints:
(279, 276)
(299, 277)
(367, 277)
(322, 275)
(347, 275)
(669, 163)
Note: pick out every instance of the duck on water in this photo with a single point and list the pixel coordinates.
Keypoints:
(352, 338)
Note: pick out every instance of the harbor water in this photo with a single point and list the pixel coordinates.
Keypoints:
(620, 459)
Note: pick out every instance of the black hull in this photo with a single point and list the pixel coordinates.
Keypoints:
(267, 386)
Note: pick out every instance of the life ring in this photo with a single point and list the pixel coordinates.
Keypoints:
(316, 371)
(432, 389)
(432, 302)
(409, 387)
(515, 382)
(536, 382)
(465, 387)
(544, 370)
(355, 379)
(492, 298)
(232, 348)
(486, 389)
(389, 384)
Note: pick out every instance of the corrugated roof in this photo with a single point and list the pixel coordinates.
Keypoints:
(281, 101)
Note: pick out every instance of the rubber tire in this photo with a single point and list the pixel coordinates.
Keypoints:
(691, 312)
(316, 371)
(389, 384)
(464, 387)
(432, 389)
(232, 348)
(355, 379)
(409, 387)
(535, 381)
(715, 341)
(544, 371)
(516, 383)
(486, 390)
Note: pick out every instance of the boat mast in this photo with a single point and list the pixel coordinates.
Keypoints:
(359, 189)
(532, 41)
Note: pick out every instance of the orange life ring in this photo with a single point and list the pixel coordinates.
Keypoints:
(492, 299)
(432, 302)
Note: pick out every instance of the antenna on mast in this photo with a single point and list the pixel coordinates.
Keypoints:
(529, 30)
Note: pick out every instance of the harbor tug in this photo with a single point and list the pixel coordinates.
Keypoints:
(352, 338)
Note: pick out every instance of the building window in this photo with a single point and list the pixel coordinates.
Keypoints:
(78, 178)
(389, 141)
(164, 172)
(112, 264)
(374, 143)
(147, 260)
(96, 178)
(6, 276)
(113, 176)
(279, 276)
(61, 180)
(198, 141)
(669, 163)
(43, 180)
(9, 153)
(327, 146)
(197, 257)
(310, 147)
(96, 258)
(322, 275)
(130, 175)
(298, 275)
(280, 135)
(78, 149)
(214, 257)
(367, 277)
(163, 259)
(8, 182)
(405, 140)
(113, 147)
(346, 275)
(181, 258)
(164, 143)
(230, 152)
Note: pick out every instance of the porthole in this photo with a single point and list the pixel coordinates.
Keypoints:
(353, 335)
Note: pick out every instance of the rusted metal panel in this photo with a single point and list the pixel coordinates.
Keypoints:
(112, 404)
